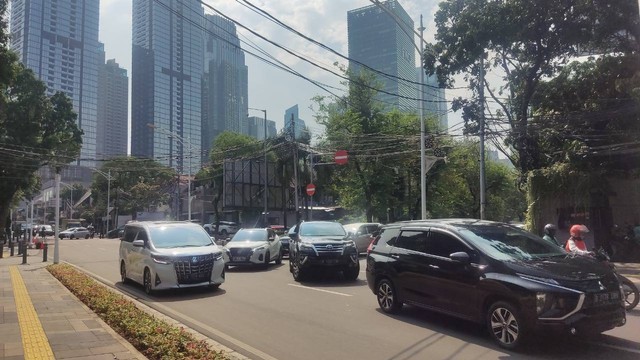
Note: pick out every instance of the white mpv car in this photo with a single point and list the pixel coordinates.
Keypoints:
(170, 254)
(253, 247)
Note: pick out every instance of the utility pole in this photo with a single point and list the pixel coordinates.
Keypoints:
(311, 182)
(482, 123)
(295, 166)
(423, 172)
(56, 247)
(264, 217)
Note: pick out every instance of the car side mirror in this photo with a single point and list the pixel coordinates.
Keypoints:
(138, 243)
(460, 257)
(271, 239)
(293, 236)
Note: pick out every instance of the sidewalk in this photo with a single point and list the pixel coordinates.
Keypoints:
(41, 319)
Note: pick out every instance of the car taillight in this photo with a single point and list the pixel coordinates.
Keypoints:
(370, 247)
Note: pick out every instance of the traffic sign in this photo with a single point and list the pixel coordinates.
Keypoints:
(340, 157)
(311, 189)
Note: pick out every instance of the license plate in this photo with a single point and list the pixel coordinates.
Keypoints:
(331, 261)
(238, 258)
(606, 298)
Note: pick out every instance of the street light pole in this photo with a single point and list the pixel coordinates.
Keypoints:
(181, 140)
(108, 176)
(264, 149)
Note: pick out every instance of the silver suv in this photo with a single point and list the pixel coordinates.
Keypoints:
(166, 255)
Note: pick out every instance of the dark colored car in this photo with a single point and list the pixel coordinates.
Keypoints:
(493, 273)
(322, 244)
(284, 239)
(116, 233)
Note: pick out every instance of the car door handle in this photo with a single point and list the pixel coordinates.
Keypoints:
(434, 266)
(395, 256)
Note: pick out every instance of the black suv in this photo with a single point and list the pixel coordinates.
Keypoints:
(322, 244)
(493, 273)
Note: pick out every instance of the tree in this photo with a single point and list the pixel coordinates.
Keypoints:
(136, 184)
(454, 189)
(35, 130)
(383, 165)
(524, 42)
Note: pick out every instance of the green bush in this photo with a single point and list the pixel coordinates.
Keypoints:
(154, 338)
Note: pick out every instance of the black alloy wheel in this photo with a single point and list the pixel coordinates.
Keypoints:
(351, 272)
(298, 273)
(267, 259)
(505, 325)
(147, 282)
(123, 273)
(387, 297)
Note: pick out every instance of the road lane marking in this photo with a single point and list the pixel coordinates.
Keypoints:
(34, 341)
(321, 290)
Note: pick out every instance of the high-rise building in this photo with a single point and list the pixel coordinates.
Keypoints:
(378, 41)
(58, 40)
(291, 118)
(435, 102)
(113, 104)
(166, 76)
(224, 83)
(256, 127)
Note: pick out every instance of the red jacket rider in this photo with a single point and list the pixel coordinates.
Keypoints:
(576, 243)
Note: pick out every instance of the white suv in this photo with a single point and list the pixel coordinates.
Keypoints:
(253, 247)
(225, 228)
(165, 255)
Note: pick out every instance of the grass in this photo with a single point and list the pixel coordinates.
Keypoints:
(153, 337)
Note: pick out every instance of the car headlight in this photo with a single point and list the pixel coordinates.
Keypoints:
(259, 248)
(349, 244)
(161, 259)
(550, 305)
(307, 247)
(217, 256)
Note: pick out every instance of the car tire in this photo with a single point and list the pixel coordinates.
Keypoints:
(279, 258)
(123, 273)
(298, 273)
(351, 272)
(267, 259)
(506, 326)
(387, 296)
(86, 236)
(148, 286)
(214, 287)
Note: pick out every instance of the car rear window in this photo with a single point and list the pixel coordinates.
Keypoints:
(179, 236)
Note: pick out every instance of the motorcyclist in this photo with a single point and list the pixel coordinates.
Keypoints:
(576, 243)
(550, 234)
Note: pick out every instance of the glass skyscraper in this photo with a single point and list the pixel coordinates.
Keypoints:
(435, 104)
(58, 40)
(166, 76)
(113, 104)
(224, 83)
(379, 42)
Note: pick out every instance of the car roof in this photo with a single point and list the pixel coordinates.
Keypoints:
(157, 223)
(450, 223)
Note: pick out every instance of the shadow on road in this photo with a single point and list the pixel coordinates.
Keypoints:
(201, 292)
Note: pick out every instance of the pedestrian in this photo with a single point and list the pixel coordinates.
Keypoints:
(576, 244)
(550, 234)
(43, 233)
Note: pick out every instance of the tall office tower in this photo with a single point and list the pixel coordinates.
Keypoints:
(378, 41)
(291, 118)
(435, 102)
(224, 83)
(166, 75)
(256, 127)
(113, 102)
(58, 40)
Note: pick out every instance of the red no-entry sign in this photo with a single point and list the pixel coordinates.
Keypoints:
(340, 157)
(311, 189)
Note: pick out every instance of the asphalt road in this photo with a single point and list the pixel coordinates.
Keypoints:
(264, 314)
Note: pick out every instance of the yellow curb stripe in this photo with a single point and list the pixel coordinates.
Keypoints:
(34, 340)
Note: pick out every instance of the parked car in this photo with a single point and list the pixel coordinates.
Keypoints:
(362, 234)
(283, 233)
(166, 255)
(321, 244)
(253, 247)
(493, 273)
(48, 230)
(225, 228)
(116, 233)
(74, 233)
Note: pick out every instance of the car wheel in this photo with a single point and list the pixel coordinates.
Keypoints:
(86, 236)
(214, 287)
(505, 325)
(123, 273)
(298, 273)
(351, 272)
(147, 282)
(279, 258)
(387, 297)
(267, 259)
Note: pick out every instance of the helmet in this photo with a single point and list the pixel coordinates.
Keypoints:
(578, 230)
(549, 229)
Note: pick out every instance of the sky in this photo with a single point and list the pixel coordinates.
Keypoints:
(271, 88)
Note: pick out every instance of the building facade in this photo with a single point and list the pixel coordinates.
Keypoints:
(256, 127)
(58, 40)
(291, 119)
(435, 101)
(113, 104)
(224, 83)
(376, 40)
(166, 76)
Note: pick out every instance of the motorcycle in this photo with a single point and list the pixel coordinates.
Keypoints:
(630, 290)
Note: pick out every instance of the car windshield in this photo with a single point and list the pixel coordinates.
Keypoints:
(510, 243)
(164, 237)
(250, 235)
(322, 229)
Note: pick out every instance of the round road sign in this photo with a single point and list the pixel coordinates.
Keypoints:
(340, 157)
(311, 189)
